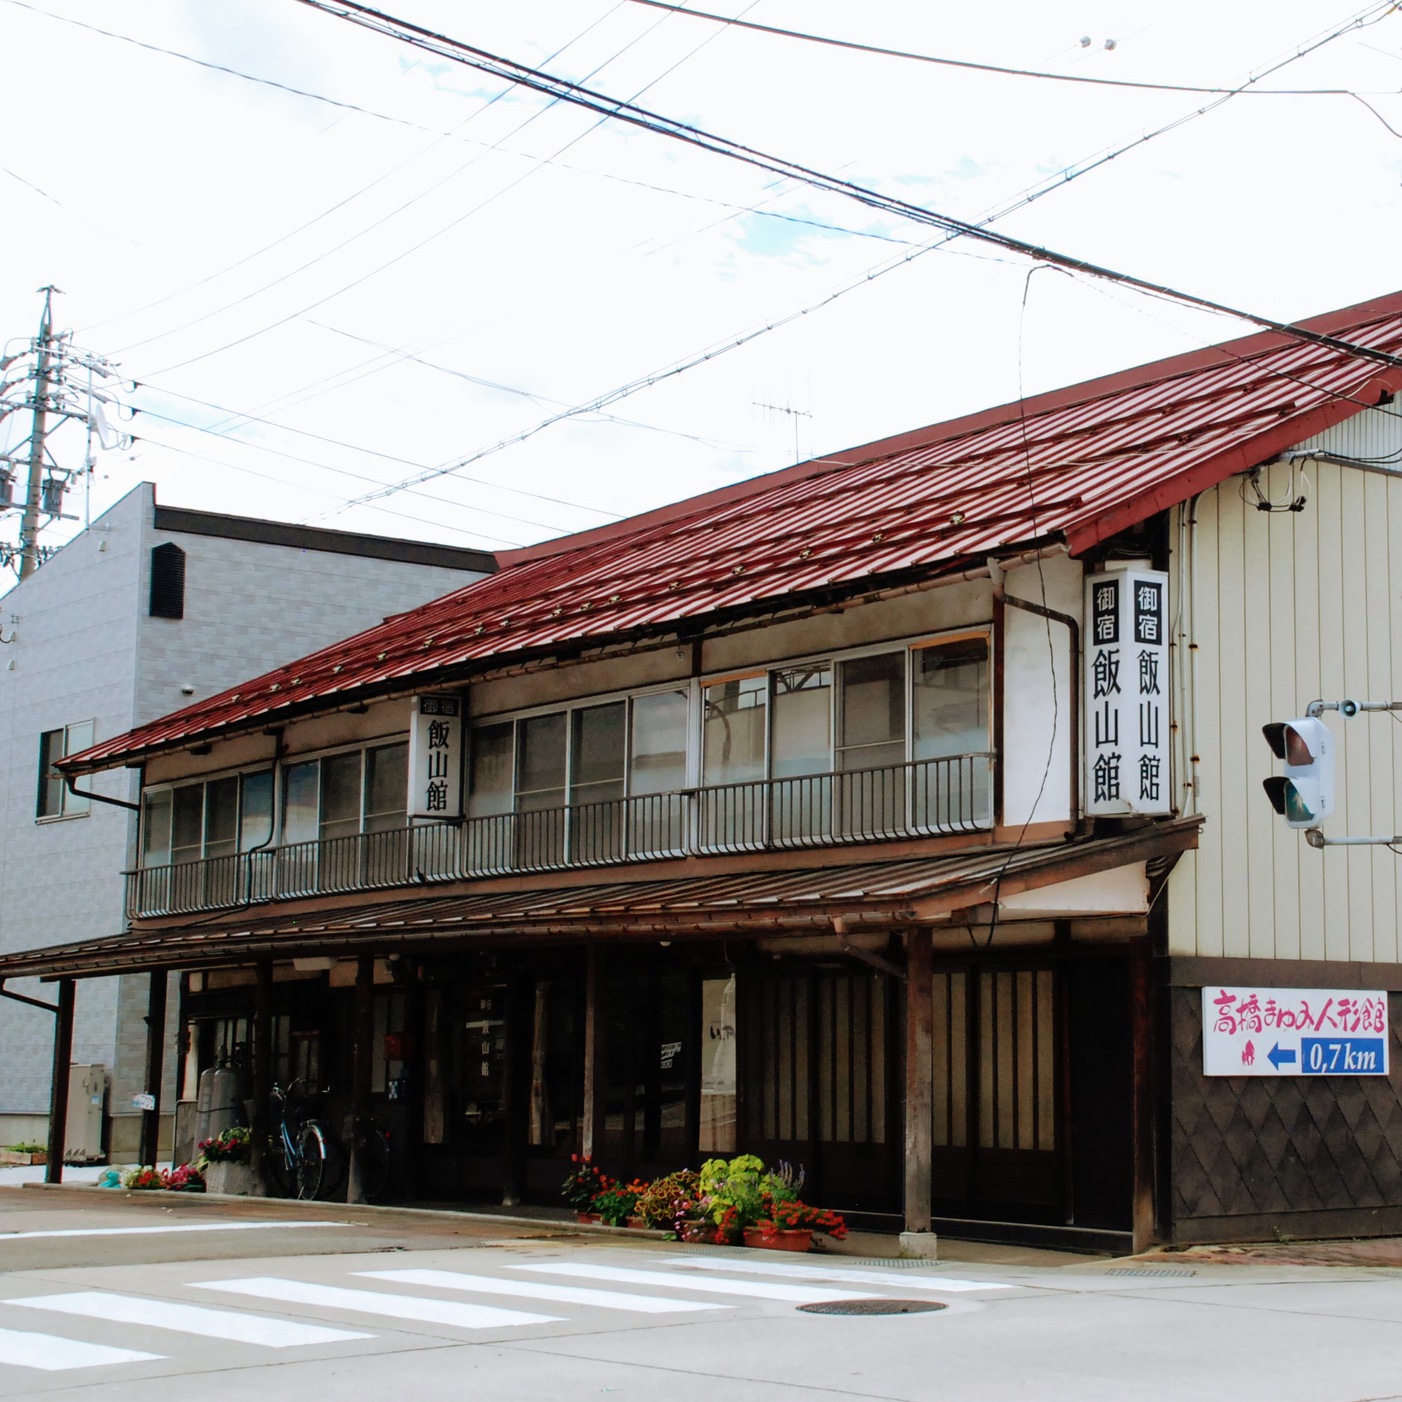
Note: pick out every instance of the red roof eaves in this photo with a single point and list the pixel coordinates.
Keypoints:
(1150, 373)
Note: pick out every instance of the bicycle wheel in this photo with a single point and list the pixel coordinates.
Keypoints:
(313, 1155)
(372, 1159)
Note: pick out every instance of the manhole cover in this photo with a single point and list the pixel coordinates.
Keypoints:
(872, 1307)
(1144, 1271)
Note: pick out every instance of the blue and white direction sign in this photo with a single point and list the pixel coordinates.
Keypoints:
(1294, 1032)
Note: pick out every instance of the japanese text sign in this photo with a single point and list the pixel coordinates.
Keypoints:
(1126, 690)
(1294, 1032)
(435, 757)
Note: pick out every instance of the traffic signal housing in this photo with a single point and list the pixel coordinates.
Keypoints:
(1304, 795)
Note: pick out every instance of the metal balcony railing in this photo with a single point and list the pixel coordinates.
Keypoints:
(926, 797)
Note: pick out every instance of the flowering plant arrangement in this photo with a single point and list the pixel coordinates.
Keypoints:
(185, 1179)
(798, 1216)
(143, 1178)
(583, 1183)
(232, 1145)
(666, 1201)
(618, 1202)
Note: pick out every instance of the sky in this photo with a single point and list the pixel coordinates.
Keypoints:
(408, 267)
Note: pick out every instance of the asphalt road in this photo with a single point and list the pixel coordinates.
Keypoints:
(240, 1299)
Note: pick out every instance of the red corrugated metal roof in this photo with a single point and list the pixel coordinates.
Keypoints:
(1077, 465)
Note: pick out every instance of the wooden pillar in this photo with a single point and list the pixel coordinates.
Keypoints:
(592, 1120)
(919, 1086)
(516, 1084)
(262, 1065)
(58, 1094)
(155, 1067)
(361, 1072)
(1142, 1100)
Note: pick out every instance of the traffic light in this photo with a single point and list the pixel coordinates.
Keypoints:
(1304, 795)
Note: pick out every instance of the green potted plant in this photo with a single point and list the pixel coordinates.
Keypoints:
(732, 1195)
(668, 1200)
(227, 1162)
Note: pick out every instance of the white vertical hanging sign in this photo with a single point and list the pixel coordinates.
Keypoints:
(435, 757)
(1126, 691)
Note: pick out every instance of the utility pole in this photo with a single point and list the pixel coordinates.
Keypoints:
(56, 382)
(29, 523)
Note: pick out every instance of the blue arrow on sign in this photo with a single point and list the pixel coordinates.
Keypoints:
(1278, 1058)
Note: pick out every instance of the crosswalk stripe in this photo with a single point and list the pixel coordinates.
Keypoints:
(907, 1280)
(52, 1354)
(373, 1302)
(188, 1319)
(531, 1290)
(166, 1230)
(671, 1280)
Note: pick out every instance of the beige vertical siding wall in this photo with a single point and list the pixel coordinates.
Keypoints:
(1289, 607)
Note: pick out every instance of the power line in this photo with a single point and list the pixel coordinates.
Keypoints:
(736, 23)
(282, 482)
(537, 80)
(710, 353)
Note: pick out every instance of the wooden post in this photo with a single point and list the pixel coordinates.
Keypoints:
(58, 1094)
(1142, 1214)
(918, 1236)
(262, 1088)
(155, 1067)
(360, 1074)
(592, 1119)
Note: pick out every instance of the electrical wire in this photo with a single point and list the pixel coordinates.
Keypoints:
(710, 353)
(282, 482)
(736, 23)
(494, 65)
(452, 224)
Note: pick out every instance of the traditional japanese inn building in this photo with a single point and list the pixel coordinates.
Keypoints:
(889, 815)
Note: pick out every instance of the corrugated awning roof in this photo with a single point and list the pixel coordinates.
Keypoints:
(1076, 465)
(869, 895)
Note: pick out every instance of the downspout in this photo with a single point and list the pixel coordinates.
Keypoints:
(1073, 629)
(98, 797)
(24, 998)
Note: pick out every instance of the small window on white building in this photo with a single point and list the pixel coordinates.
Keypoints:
(55, 799)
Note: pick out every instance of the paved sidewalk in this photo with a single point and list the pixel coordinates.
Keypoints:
(1384, 1252)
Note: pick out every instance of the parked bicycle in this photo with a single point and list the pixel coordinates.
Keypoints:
(303, 1157)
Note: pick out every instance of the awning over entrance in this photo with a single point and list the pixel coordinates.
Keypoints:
(866, 896)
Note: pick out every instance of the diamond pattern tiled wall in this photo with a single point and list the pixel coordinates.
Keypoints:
(1280, 1145)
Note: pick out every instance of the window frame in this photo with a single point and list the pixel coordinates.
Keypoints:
(70, 805)
(696, 687)
(239, 772)
(362, 748)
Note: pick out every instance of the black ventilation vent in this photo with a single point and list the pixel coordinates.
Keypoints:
(167, 582)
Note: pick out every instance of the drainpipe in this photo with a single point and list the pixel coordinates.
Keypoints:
(73, 788)
(1073, 629)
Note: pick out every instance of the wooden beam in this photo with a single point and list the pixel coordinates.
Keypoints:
(155, 1067)
(361, 1070)
(592, 1118)
(1143, 1221)
(262, 1066)
(58, 1093)
(919, 1084)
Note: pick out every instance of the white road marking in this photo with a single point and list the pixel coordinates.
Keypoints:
(906, 1280)
(372, 1302)
(188, 1319)
(53, 1354)
(671, 1280)
(162, 1231)
(531, 1290)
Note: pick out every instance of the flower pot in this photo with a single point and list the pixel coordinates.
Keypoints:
(586, 1219)
(637, 1224)
(236, 1179)
(797, 1239)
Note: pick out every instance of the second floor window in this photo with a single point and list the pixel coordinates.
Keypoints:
(346, 794)
(209, 818)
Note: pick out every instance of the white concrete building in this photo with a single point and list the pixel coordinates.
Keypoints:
(151, 608)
